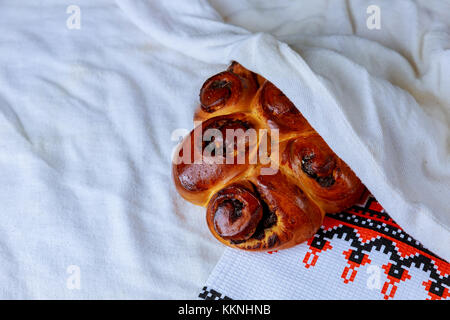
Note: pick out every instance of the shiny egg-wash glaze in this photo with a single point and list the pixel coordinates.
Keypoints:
(247, 209)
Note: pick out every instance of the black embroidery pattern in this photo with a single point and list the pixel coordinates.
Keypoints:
(387, 237)
(367, 227)
(211, 294)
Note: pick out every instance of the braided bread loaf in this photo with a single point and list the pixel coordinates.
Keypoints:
(250, 204)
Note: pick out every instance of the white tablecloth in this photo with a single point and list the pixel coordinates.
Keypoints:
(86, 117)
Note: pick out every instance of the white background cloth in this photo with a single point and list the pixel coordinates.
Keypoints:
(86, 118)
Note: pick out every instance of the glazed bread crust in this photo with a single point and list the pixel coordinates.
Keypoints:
(246, 207)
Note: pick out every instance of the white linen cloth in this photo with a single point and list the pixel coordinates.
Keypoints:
(86, 117)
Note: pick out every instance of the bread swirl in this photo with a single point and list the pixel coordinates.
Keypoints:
(248, 208)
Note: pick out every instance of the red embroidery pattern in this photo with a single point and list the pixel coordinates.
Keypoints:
(367, 227)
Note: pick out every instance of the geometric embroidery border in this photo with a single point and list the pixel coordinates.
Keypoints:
(366, 230)
(211, 294)
(381, 222)
(367, 227)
